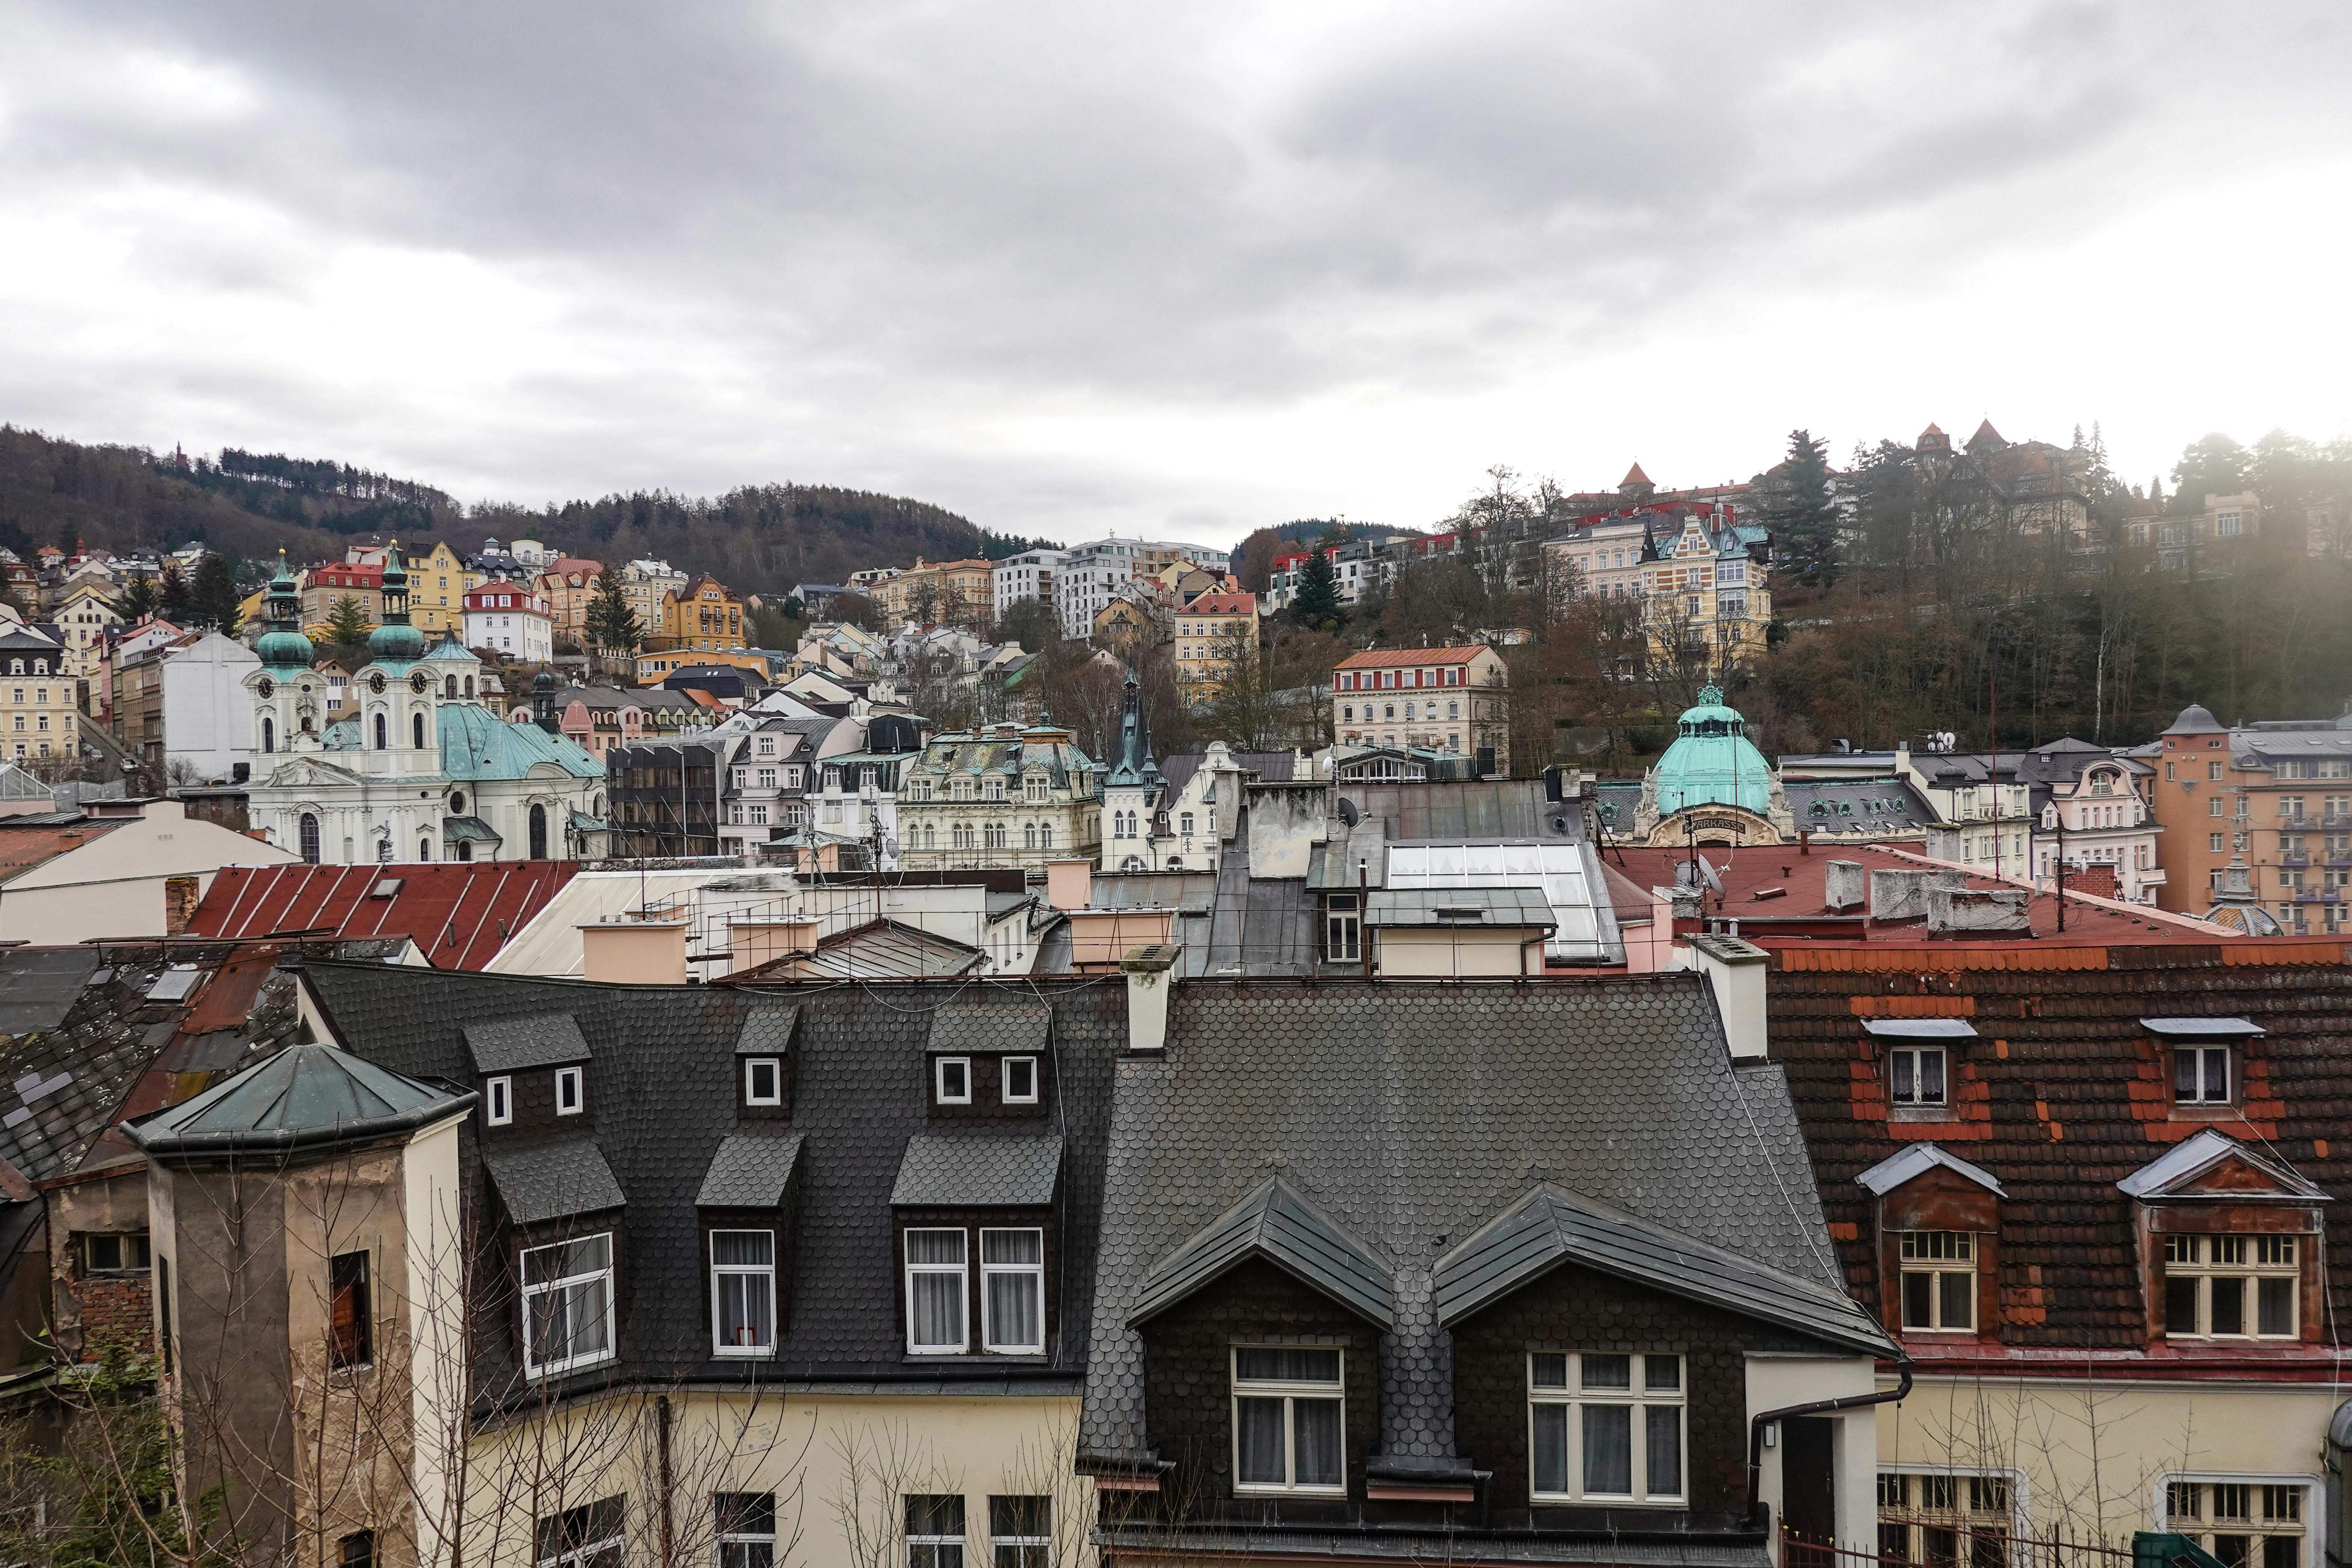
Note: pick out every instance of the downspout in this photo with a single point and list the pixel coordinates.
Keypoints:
(1756, 1426)
(661, 1420)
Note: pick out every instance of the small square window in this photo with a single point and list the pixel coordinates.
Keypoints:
(1021, 1080)
(498, 1102)
(952, 1080)
(569, 1100)
(115, 1254)
(1915, 1076)
(763, 1081)
(2201, 1075)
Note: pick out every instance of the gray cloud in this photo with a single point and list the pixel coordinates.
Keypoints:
(983, 253)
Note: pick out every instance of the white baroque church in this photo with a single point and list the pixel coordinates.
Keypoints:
(424, 771)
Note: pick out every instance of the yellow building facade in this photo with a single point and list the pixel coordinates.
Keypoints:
(1213, 633)
(1706, 599)
(437, 585)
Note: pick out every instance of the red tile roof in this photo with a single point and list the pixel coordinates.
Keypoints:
(1779, 897)
(1222, 604)
(22, 848)
(460, 915)
(1398, 657)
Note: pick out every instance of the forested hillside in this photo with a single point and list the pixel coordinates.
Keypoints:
(758, 537)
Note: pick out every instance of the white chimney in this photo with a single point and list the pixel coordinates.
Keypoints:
(1150, 978)
(1735, 971)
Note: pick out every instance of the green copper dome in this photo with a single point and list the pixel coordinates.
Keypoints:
(1712, 761)
(283, 645)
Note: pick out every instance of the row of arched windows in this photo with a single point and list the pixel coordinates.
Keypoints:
(991, 836)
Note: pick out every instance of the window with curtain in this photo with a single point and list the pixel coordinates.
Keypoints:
(1012, 1291)
(934, 1531)
(1289, 1420)
(567, 1305)
(1021, 1532)
(743, 1292)
(746, 1528)
(936, 1287)
(1605, 1427)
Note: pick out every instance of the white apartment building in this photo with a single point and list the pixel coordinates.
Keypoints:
(511, 618)
(1087, 574)
(1029, 576)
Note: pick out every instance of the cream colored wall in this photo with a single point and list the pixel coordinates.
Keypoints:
(112, 886)
(1408, 951)
(1777, 1381)
(838, 1465)
(2089, 1457)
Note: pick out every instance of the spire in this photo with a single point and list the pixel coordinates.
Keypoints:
(395, 641)
(283, 644)
(1135, 765)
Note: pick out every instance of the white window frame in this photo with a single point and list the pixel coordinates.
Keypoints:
(1288, 1392)
(2204, 1056)
(939, 1065)
(775, 1066)
(940, 1551)
(577, 1080)
(1011, 1097)
(1916, 1253)
(1916, 1480)
(532, 1365)
(498, 1102)
(1637, 1395)
(1339, 923)
(767, 1272)
(609, 1548)
(1917, 1058)
(2203, 1267)
(1024, 1550)
(1035, 1272)
(2314, 1523)
(961, 1271)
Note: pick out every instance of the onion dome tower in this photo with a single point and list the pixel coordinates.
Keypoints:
(283, 646)
(395, 641)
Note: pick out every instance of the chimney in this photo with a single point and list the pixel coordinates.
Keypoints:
(1734, 972)
(1842, 887)
(1969, 911)
(1150, 978)
(1899, 895)
(1070, 884)
(753, 941)
(181, 897)
(634, 953)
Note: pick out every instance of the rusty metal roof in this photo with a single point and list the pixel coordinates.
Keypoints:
(458, 914)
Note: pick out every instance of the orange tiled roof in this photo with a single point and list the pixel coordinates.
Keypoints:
(1398, 657)
(22, 848)
(1223, 605)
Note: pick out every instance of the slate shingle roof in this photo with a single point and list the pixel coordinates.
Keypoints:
(972, 1169)
(552, 1181)
(1412, 1114)
(751, 1171)
(513, 1044)
(662, 1097)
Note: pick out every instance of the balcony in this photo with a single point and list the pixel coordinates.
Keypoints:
(2296, 859)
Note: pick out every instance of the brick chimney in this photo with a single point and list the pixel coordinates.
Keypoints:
(181, 897)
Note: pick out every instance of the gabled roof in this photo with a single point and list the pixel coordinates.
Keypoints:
(1405, 658)
(1916, 1160)
(459, 914)
(2166, 1175)
(304, 1095)
(880, 949)
(1275, 1223)
(1552, 1225)
(767, 1031)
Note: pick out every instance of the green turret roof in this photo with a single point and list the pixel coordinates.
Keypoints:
(1712, 761)
(304, 1096)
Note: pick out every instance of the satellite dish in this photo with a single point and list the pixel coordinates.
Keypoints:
(1707, 874)
(1348, 811)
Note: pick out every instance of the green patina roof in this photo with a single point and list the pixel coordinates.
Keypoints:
(476, 743)
(1712, 761)
(303, 1096)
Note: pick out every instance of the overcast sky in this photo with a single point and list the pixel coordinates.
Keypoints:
(1183, 269)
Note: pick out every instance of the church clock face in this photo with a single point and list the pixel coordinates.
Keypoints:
(417, 683)
(266, 687)
(377, 683)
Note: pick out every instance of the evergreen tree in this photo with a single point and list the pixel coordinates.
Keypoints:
(1802, 511)
(138, 600)
(611, 625)
(212, 599)
(1317, 598)
(173, 594)
(347, 622)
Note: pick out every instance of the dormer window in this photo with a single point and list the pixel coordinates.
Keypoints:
(1289, 1410)
(1019, 1081)
(1939, 1271)
(2230, 1287)
(571, 1090)
(763, 1080)
(2201, 1075)
(936, 1271)
(951, 1080)
(497, 1102)
(1915, 1076)
(1606, 1427)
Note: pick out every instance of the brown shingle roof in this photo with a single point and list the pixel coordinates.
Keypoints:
(1394, 657)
